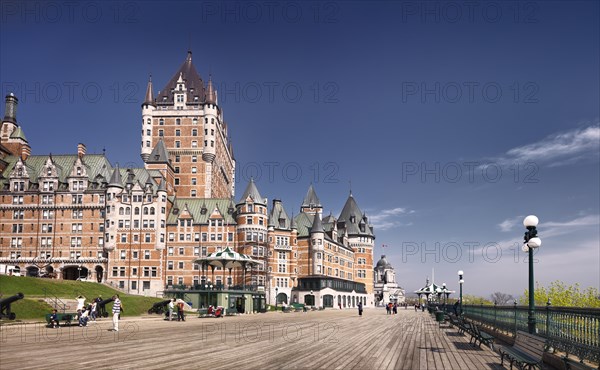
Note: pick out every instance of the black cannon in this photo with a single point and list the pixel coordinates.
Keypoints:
(159, 307)
(5, 306)
(101, 307)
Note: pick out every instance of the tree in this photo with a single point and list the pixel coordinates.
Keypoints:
(473, 299)
(561, 295)
(502, 298)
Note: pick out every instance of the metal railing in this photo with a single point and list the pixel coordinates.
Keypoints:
(567, 329)
(54, 301)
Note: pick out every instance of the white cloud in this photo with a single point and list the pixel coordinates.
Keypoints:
(509, 224)
(388, 218)
(559, 149)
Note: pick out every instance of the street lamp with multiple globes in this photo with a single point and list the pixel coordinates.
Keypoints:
(531, 242)
(461, 281)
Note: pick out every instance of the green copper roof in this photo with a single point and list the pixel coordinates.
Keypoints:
(18, 134)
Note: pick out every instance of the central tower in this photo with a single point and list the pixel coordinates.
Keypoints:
(187, 117)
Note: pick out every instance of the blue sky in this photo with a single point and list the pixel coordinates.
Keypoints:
(452, 121)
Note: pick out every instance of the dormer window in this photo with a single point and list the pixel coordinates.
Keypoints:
(78, 171)
(49, 172)
(20, 172)
(353, 219)
(179, 98)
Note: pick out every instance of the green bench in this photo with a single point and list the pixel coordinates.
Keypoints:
(65, 318)
(481, 337)
(575, 365)
(526, 352)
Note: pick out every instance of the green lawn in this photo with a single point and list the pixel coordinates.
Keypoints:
(36, 288)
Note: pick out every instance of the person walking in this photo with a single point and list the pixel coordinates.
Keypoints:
(360, 308)
(395, 308)
(116, 310)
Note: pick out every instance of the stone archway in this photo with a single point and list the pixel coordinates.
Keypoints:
(99, 273)
(74, 272)
(32, 271)
(282, 298)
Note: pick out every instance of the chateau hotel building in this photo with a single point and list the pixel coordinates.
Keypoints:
(141, 229)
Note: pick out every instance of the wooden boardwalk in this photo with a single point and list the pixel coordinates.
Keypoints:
(330, 339)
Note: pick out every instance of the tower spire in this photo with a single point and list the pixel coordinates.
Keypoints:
(149, 100)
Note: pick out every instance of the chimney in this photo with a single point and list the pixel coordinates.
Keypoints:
(25, 152)
(10, 112)
(80, 150)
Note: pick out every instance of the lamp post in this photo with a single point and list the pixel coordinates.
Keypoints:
(312, 298)
(276, 290)
(531, 242)
(460, 282)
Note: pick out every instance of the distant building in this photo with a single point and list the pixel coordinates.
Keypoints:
(385, 285)
(70, 216)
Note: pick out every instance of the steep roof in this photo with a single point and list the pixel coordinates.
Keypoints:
(311, 198)
(352, 217)
(317, 225)
(195, 205)
(252, 192)
(159, 154)
(193, 83)
(96, 165)
(18, 134)
(278, 218)
(115, 178)
(149, 99)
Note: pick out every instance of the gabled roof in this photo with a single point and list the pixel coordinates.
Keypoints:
(311, 198)
(195, 205)
(252, 192)
(193, 83)
(278, 218)
(159, 154)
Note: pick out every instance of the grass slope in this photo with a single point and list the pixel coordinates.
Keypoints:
(33, 289)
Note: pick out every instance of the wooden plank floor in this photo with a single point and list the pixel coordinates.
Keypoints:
(330, 339)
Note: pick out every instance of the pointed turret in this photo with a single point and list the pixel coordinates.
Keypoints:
(252, 192)
(311, 203)
(159, 154)
(293, 225)
(149, 100)
(115, 179)
(211, 93)
(317, 225)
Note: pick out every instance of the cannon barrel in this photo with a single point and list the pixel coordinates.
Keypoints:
(11, 299)
(105, 302)
(158, 307)
(5, 306)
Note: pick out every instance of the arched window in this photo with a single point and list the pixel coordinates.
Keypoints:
(121, 211)
(145, 210)
(151, 210)
(127, 211)
(137, 210)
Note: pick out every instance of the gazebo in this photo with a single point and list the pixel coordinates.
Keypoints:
(238, 298)
(432, 290)
(227, 259)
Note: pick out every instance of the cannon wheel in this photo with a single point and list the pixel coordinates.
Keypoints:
(12, 316)
(105, 314)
